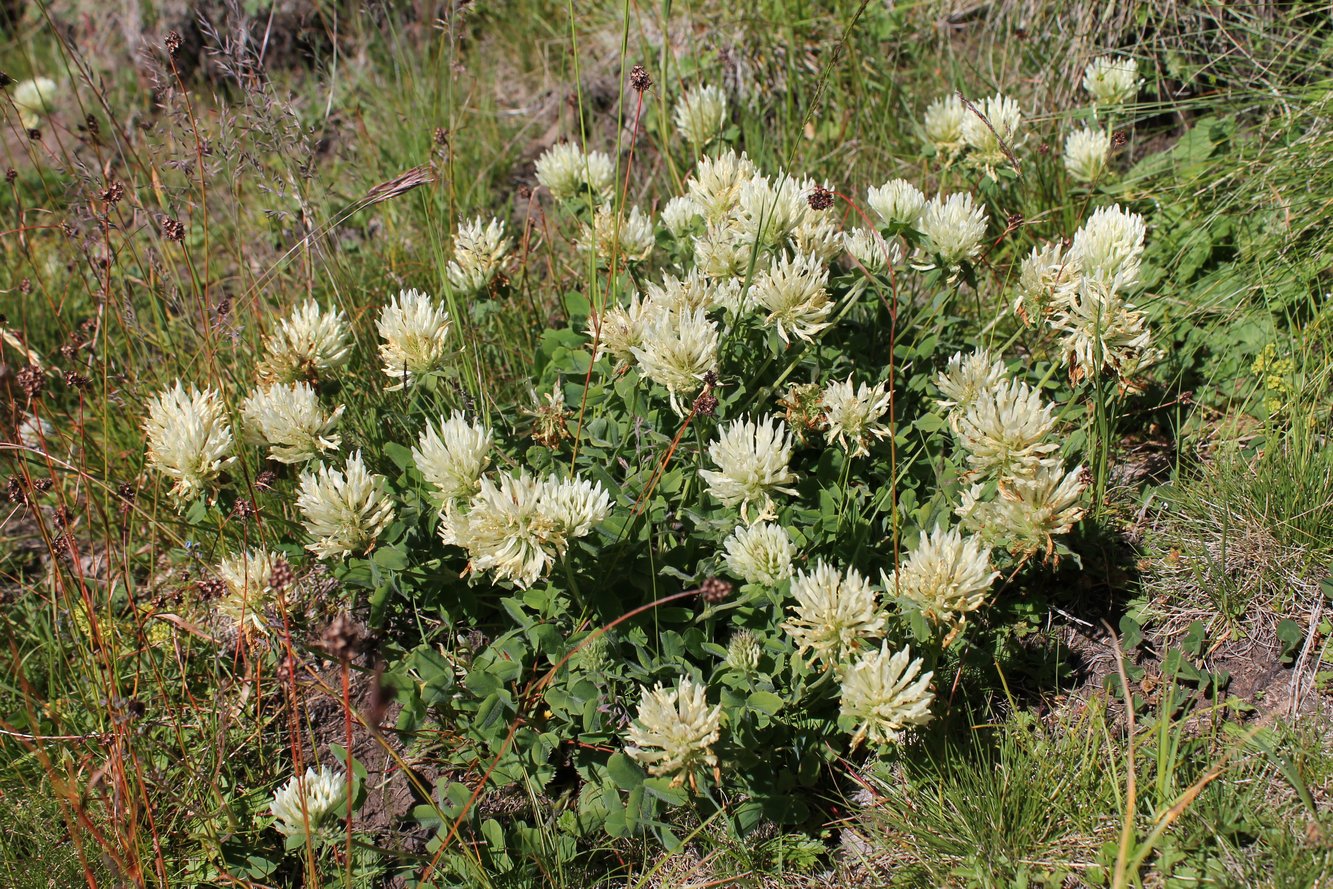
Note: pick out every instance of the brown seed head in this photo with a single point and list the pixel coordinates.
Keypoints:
(639, 79)
(265, 480)
(31, 381)
(821, 198)
(341, 638)
(76, 380)
(172, 229)
(715, 590)
(282, 576)
(172, 42)
(113, 193)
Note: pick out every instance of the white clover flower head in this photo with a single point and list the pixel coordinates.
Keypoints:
(34, 99)
(1102, 331)
(987, 138)
(965, 379)
(622, 329)
(723, 252)
(452, 455)
(716, 184)
(768, 211)
(309, 345)
(415, 333)
(871, 251)
(625, 237)
(744, 651)
(1112, 81)
(818, 235)
(674, 732)
(761, 553)
(1045, 274)
(575, 505)
(1029, 511)
(952, 228)
(946, 577)
(1007, 430)
(1087, 154)
(569, 173)
(688, 294)
(678, 347)
(345, 511)
(854, 414)
(479, 252)
(678, 216)
(1108, 248)
(885, 693)
(189, 438)
(518, 526)
(753, 460)
(834, 615)
(700, 115)
(943, 124)
(794, 292)
(310, 804)
(897, 202)
(288, 418)
(248, 581)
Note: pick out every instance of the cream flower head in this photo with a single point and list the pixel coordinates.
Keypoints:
(1008, 430)
(1029, 512)
(952, 228)
(415, 334)
(627, 237)
(794, 292)
(885, 693)
(752, 462)
(854, 414)
(479, 252)
(311, 344)
(946, 577)
(248, 580)
(965, 379)
(189, 438)
(700, 115)
(519, 525)
(1112, 81)
(1108, 247)
(768, 210)
(1102, 331)
(568, 173)
(1044, 275)
(345, 511)
(943, 124)
(760, 553)
(715, 187)
(34, 99)
(674, 732)
(871, 251)
(1087, 154)
(988, 138)
(312, 803)
(288, 418)
(623, 327)
(897, 202)
(677, 348)
(834, 615)
(452, 455)
(678, 216)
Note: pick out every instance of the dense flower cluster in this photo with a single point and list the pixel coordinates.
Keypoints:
(189, 438)
(674, 732)
(310, 804)
(345, 510)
